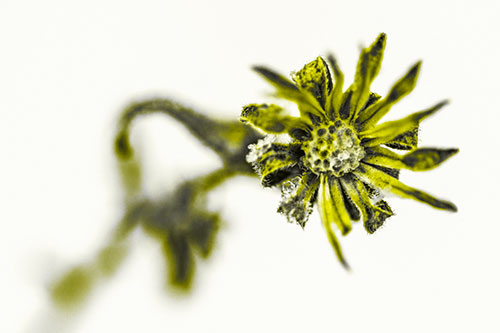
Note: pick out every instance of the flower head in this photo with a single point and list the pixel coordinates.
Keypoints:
(336, 153)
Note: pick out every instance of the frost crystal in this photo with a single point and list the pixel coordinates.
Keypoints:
(259, 148)
(292, 204)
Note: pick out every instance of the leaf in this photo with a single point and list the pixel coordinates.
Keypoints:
(335, 97)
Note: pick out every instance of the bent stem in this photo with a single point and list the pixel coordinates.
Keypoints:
(179, 220)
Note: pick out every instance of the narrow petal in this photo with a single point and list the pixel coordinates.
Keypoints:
(332, 205)
(277, 80)
(315, 79)
(403, 87)
(383, 181)
(349, 204)
(387, 131)
(335, 244)
(311, 191)
(335, 97)
(297, 198)
(383, 156)
(273, 119)
(288, 90)
(418, 160)
(276, 173)
(393, 172)
(372, 99)
(374, 215)
(345, 107)
(340, 206)
(369, 64)
(325, 205)
(406, 141)
(329, 216)
(274, 162)
(377, 214)
(427, 158)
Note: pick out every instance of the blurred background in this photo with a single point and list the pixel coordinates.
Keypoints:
(68, 69)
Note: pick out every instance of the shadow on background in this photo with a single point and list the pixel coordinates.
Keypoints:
(180, 220)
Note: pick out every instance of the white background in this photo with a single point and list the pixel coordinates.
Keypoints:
(67, 69)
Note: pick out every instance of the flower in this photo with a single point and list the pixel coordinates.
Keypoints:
(336, 154)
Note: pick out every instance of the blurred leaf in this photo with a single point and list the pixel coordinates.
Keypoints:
(74, 287)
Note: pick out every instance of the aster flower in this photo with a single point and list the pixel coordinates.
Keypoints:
(336, 154)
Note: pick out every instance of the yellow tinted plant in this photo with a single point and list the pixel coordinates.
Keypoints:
(337, 154)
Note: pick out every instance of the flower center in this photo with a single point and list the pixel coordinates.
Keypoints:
(334, 149)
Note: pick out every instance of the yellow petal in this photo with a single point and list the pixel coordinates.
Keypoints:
(387, 131)
(332, 206)
(335, 97)
(273, 119)
(422, 159)
(406, 141)
(403, 87)
(374, 216)
(314, 78)
(369, 64)
(297, 198)
(328, 216)
(381, 180)
(285, 88)
(274, 162)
